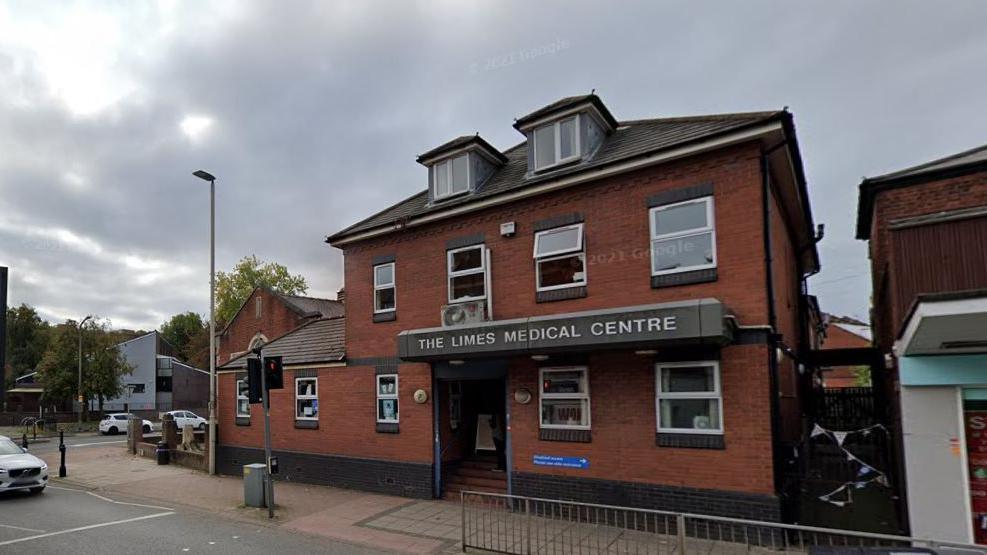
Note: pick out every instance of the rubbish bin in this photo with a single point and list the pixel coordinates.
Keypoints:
(162, 453)
(254, 485)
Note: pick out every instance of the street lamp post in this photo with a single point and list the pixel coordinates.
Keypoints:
(79, 397)
(212, 315)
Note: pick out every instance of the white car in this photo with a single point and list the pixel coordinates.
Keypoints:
(187, 418)
(20, 470)
(116, 423)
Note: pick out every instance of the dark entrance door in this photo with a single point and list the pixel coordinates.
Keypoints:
(472, 435)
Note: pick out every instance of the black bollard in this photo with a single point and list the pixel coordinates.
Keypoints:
(24, 440)
(61, 449)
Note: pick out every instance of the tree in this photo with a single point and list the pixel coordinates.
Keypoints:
(187, 333)
(102, 369)
(232, 289)
(862, 376)
(27, 339)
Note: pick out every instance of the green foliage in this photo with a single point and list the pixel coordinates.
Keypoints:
(233, 288)
(27, 339)
(188, 333)
(862, 375)
(102, 363)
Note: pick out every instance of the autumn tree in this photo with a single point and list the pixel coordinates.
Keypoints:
(233, 288)
(27, 339)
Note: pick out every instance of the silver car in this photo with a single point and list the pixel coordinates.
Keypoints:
(21, 470)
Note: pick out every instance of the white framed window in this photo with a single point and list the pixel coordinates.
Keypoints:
(387, 398)
(560, 258)
(451, 177)
(564, 399)
(556, 143)
(683, 236)
(242, 400)
(306, 398)
(688, 397)
(385, 290)
(467, 271)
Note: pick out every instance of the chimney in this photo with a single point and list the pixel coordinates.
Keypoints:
(341, 295)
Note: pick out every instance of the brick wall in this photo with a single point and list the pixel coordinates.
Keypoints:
(914, 200)
(276, 319)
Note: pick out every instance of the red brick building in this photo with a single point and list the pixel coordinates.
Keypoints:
(612, 308)
(841, 332)
(267, 315)
(927, 231)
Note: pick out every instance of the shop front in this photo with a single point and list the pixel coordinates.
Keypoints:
(943, 374)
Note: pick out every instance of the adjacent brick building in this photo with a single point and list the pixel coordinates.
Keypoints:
(841, 332)
(927, 232)
(611, 310)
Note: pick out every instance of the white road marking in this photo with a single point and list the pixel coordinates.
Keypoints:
(21, 528)
(82, 528)
(108, 500)
(97, 443)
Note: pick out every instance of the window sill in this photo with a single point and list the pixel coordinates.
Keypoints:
(690, 441)
(683, 278)
(242, 421)
(387, 428)
(575, 292)
(556, 434)
(385, 316)
(307, 424)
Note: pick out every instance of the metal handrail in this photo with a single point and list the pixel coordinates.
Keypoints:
(682, 517)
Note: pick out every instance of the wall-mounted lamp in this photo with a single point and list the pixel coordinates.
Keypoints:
(646, 352)
(539, 358)
(457, 362)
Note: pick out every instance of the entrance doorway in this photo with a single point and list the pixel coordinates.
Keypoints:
(472, 435)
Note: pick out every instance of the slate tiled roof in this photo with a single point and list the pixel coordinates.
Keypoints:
(460, 142)
(316, 342)
(961, 163)
(631, 139)
(312, 306)
(565, 104)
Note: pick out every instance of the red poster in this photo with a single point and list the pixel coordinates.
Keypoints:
(976, 453)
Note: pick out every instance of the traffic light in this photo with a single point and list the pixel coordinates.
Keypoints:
(254, 381)
(274, 372)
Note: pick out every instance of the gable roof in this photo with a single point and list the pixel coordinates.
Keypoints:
(318, 341)
(306, 307)
(955, 165)
(631, 139)
(565, 104)
(462, 142)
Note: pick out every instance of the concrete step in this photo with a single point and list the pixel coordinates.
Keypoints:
(479, 473)
(468, 481)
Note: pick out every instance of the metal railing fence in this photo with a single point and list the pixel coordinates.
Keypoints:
(527, 525)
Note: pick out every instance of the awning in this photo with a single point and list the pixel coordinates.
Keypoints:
(695, 322)
(945, 324)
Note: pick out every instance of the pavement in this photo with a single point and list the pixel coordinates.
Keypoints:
(161, 501)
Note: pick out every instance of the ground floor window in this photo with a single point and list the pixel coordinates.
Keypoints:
(306, 398)
(242, 401)
(387, 398)
(688, 398)
(565, 398)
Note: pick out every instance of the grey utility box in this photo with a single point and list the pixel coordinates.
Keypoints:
(253, 484)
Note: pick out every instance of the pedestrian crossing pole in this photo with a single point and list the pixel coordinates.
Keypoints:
(266, 403)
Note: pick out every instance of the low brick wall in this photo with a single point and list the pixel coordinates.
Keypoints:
(195, 460)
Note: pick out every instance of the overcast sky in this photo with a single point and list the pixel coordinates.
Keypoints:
(312, 113)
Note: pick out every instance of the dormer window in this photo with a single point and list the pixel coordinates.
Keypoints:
(557, 143)
(452, 177)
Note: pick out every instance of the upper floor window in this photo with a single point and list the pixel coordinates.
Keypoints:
(556, 143)
(683, 237)
(385, 291)
(560, 258)
(452, 177)
(258, 307)
(467, 273)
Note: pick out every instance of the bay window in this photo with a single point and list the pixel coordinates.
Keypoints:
(467, 270)
(683, 237)
(306, 398)
(688, 397)
(556, 143)
(564, 401)
(560, 258)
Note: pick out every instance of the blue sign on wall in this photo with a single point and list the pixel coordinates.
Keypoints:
(564, 462)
